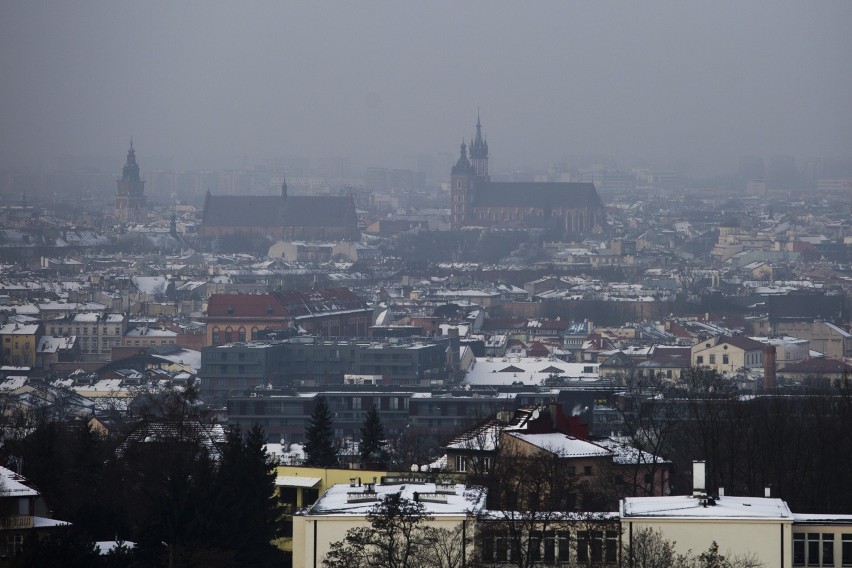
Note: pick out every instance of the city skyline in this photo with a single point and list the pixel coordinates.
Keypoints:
(222, 85)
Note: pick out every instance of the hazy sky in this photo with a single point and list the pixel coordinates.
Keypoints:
(209, 82)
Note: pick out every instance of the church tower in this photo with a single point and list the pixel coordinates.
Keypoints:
(462, 179)
(479, 152)
(130, 203)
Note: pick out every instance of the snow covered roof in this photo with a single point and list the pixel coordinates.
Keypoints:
(531, 371)
(438, 500)
(296, 481)
(562, 445)
(12, 485)
(689, 507)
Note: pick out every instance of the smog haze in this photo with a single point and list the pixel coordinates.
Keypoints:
(216, 84)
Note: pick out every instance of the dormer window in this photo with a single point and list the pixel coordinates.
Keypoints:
(230, 309)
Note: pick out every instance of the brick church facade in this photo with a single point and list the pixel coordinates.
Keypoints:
(572, 209)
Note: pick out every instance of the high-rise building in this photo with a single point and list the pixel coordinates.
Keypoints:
(130, 203)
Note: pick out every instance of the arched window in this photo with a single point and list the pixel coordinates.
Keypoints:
(229, 335)
(241, 334)
(217, 336)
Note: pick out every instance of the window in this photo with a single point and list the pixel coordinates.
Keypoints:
(461, 463)
(846, 550)
(799, 549)
(712, 359)
(356, 403)
(587, 470)
(563, 545)
(725, 360)
(549, 546)
(699, 360)
(242, 334)
(534, 553)
(827, 549)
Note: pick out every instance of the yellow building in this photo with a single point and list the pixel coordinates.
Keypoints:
(728, 354)
(299, 487)
(19, 344)
(450, 506)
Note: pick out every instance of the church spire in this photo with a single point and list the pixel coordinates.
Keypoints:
(479, 150)
(130, 171)
(463, 164)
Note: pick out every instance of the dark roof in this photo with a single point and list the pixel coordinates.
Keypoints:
(817, 366)
(242, 211)
(245, 305)
(320, 301)
(540, 195)
(275, 211)
(318, 211)
(744, 343)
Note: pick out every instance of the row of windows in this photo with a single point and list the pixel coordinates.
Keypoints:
(54, 330)
(229, 336)
(553, 546)
(817, 549)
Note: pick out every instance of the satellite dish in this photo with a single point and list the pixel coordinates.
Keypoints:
(415, 467)
(535, 414)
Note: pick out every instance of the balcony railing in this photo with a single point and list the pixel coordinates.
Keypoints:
(16, 522)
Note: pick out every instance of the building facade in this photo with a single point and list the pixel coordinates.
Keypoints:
(569, 209)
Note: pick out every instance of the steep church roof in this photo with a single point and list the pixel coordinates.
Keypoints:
(242, 211)
(317, 211)
(276, 211)
(536, 194)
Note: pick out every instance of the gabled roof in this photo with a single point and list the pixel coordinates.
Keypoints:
(562, 445)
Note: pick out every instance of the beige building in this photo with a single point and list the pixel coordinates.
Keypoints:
(96, 332)
(18, 343)
(741, 526)
(832, 341)
(298, 487)
(727, 354)
(342, 507)
(149, 337)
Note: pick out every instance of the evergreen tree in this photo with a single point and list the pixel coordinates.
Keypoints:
(319, 437)
(372, 436)
(244, 510)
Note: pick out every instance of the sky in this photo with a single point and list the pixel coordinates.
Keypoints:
(215, 84)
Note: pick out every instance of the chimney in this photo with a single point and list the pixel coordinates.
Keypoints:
(698, 484)
(721, 492)
(767, 492)
(769, 379)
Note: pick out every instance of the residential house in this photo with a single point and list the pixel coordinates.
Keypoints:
(23, 515)
(19, 343)
(728, 354)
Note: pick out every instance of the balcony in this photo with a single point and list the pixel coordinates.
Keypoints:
(16, 522)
